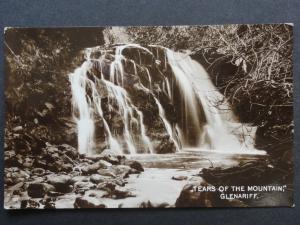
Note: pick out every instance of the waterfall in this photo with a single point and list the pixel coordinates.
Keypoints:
(196, 85)
(167, 125)
(102, 102)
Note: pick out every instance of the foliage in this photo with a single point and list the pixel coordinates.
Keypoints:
(37, 65)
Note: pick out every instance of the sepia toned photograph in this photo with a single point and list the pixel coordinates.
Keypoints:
(149, 117)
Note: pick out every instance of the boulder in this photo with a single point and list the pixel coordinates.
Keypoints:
(189, 198)
(118, 193)
(97, 178)
(39, 190)
(90, 169)
(88, 202)
(62, 183)
(135, 165)
(110, 156)
(123, 171)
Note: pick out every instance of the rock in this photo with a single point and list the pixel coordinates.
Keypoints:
(84, 185)
(88, 202)
(38, 171)
(29, 204)
(135, 165)
(18, 128)
(40, 163)
(118, 193)
(110, 156)
(189, 198)
(49, 203)
(39, 190)
(96, 178)
(79, 179)
(69, 151)
(122, 171)
(28, 162)
(62, 183)
(108, 186)
(90, 169)
(66, 168)
(106, 172)
(179, 177)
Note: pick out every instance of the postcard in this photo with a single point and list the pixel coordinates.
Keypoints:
(149, 117)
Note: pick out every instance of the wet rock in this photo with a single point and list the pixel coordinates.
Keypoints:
(110, 156)
(90, 169)
(122, 171)
(179, 177)
(96, 178)
(84, 185)
(135, 165)
(88, 202)
(49, 203)
(166, 145)
(189, 198)
(108, 186)
(39, 190)
(62, 183)
(29, 204)
(79, 179)
(106, 172)
(118, 193)
(95, 193)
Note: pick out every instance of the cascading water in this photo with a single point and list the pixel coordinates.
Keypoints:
(196, 85)
(102, 97)
(167, 125)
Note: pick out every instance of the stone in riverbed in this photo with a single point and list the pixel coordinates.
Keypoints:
(29, 204)
(110, 156)
(88, 202)
(119, 193)
(189, 198)
(179, 177)
(90, 169)
(84, 185)
(96, 178)
(106, 172)
(39, 190)
(62, 183)
(123, 171)
(134, 165)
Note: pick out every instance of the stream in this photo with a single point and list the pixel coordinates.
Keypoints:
(156, 185)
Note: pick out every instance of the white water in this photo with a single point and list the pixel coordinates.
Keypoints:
(86, 107)
(166, 123)
(196, 85)
(196, 89)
